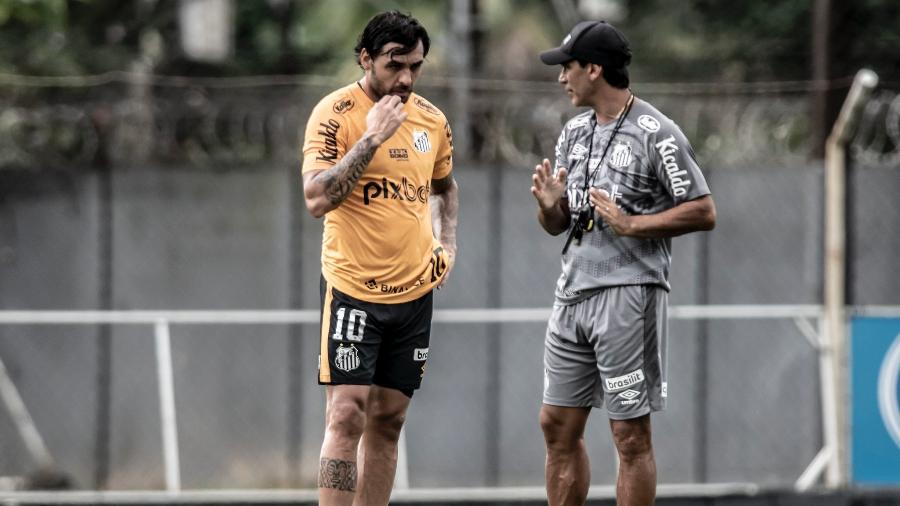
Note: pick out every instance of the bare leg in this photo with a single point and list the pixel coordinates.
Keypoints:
(345, 419)
(378, 449)
(636, 485)
(567, 471)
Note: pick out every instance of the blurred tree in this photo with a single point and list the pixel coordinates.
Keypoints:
(744, 40)
(515, 34)
(33, 39)
(77, 37)
(694, 40)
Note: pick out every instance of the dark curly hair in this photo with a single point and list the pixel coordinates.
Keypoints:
(392, 26)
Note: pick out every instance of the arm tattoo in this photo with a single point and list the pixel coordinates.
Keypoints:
(337, 474)
(446, 194)
(340, 180)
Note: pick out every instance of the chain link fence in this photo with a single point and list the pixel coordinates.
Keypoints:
(872, 208)
(161, 193)
(129, 119)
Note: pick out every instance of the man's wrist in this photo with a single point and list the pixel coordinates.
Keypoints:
(372, 138)
(549, 209)
(630, 226)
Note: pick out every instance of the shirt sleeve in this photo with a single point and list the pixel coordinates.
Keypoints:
(325, 140)
(560, 153)
(443, 161)
(673, 160)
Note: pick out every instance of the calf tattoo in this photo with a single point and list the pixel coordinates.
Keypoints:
(337, 474)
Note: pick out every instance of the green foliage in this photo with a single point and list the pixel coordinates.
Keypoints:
(691, 40)
(745, 40)
(708, 40)
(32, 36)
(74, 37)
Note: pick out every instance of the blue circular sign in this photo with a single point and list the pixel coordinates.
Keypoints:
(889, 391)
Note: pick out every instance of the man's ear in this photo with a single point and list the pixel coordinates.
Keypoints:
(365, 60)
(595, 70)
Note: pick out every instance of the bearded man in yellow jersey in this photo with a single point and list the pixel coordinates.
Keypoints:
(376, 159)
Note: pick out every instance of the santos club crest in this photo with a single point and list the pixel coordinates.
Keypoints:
(420, 141)
(346, 359)
(621, 155)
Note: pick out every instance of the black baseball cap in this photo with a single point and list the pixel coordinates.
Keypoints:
(594, 42)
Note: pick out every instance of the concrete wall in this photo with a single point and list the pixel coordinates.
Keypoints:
(743, 400)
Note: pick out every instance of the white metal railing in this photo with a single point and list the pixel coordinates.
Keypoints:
(303, 496)
(809, 319)
(835, 265)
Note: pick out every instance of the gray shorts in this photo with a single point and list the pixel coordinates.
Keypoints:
(610, 346)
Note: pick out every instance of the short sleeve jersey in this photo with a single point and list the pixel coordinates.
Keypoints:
(648, 168)
(378, 244)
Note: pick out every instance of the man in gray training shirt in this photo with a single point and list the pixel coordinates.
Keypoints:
(624, 182)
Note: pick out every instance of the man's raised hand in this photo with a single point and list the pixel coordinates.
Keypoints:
(546, 187)
(385, 118)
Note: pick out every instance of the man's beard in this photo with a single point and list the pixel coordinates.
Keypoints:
(381, 90)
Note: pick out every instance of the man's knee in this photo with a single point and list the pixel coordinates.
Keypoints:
(551, 424)
(632, 438)
(347, 417)
(388, 424)
(561, 430)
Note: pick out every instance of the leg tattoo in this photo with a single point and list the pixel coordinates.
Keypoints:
(337, 474)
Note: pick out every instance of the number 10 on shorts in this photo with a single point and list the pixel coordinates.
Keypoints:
(356, 325)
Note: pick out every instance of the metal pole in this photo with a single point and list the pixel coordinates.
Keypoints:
(295, 357)
(167, 406)
(832, 352)
(461, 57)
(831, 428)
(701, 371)
(835, 266)
(22, 420)
(494, 349)
(821, 71)
(103, 377)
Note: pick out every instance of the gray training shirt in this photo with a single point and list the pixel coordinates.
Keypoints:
(649, 167)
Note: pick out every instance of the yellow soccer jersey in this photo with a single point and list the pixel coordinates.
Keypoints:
(378, 244)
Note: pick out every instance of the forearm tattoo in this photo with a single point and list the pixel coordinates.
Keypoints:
(445, 190)
(337, 474)
(340, 180)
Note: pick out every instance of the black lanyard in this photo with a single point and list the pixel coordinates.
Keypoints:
(584, 220)
(588, 173)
